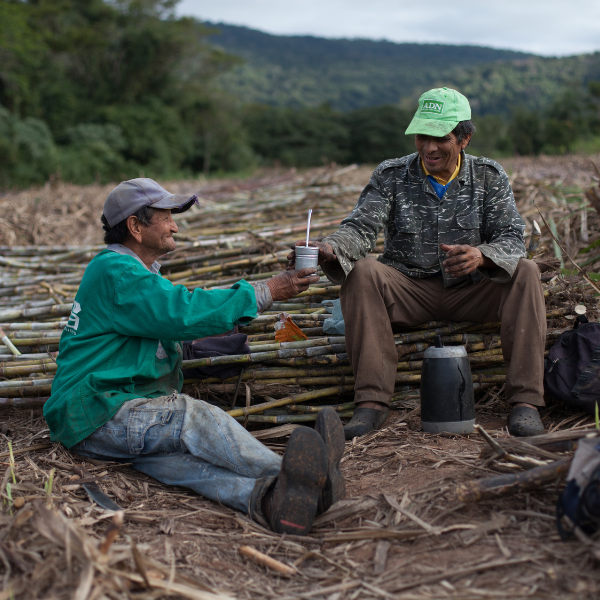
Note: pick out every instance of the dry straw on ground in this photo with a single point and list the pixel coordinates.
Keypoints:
(403, 532)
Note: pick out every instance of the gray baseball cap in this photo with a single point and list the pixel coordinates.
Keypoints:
(129, 196)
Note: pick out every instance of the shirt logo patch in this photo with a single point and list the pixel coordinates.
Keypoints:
(73, 322)
(432, 106)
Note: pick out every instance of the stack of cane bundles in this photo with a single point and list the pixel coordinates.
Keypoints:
(247, 233)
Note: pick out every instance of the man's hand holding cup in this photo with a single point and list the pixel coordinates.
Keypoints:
(326, 253)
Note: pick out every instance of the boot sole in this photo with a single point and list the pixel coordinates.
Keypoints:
(303, 476)
(330, 428)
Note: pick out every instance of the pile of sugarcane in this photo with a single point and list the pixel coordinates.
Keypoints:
(232, 235)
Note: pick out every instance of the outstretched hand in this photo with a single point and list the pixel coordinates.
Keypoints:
(290, 283)
(326, 253)
(463, 259)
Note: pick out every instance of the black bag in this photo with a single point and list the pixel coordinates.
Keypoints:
(235, 343)
(573, 366)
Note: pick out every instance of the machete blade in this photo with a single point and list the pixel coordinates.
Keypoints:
(99, 497)
(94, 492)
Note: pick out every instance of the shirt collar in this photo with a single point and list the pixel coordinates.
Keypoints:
(120, 249)
(416, 174)
(439, 179)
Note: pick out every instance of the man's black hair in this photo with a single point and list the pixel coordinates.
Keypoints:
(463, 130)
(119, 233)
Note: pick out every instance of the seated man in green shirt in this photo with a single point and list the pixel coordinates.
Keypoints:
(116, 394)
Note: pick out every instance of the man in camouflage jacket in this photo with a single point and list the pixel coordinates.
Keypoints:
(453, 250)
(478, 210)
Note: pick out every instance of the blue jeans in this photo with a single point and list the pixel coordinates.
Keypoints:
(179, 440)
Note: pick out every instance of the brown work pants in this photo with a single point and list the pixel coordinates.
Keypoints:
(375, 296)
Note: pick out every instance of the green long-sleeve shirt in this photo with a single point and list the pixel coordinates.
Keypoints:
(109, 350)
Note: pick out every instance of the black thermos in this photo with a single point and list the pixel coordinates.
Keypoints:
(447, 400)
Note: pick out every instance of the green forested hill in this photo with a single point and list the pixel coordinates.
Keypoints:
(350, 74)
(532, 84)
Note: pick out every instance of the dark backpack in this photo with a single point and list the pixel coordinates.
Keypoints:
(573, 366)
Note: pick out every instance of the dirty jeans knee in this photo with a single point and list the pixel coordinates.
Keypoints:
(182, 441)
(211, 434)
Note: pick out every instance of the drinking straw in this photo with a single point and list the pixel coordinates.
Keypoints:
(308, 226)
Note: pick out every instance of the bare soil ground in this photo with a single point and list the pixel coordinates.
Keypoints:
(401, 533)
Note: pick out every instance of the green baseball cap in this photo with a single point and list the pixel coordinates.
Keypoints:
(440, 111)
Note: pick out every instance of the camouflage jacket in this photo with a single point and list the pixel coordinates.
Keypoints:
(478, 209)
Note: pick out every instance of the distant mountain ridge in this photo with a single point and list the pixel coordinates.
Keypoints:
(355, 73)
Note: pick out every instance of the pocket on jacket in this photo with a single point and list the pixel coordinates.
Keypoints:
(468, 228)
(468, 220)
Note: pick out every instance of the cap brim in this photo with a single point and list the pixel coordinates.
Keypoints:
(430, 127)
(175, 203)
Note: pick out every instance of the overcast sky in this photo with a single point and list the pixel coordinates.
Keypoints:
(548, 27)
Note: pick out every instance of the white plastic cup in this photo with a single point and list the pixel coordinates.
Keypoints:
(307, 257)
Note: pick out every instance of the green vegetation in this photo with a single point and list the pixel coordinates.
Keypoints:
(304, 71)
(351, 74)
(522, 104)
(105, 90)
(570, 123)
(94, 89)
(314, 136)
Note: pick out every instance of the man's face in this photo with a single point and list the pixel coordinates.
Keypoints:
(158, 236)
(440, 154)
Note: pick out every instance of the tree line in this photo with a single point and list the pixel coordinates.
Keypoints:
(105, 90)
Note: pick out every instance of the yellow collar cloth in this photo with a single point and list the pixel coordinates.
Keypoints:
(439, 179)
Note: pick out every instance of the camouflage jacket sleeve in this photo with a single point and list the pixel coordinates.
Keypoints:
(358, 232)
(503, 228)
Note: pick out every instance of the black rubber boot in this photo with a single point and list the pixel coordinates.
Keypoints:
(330, 428)
(290, 505)
(365, 420)
(525, 421)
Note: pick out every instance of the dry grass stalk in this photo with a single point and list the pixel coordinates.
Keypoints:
(266, 561)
